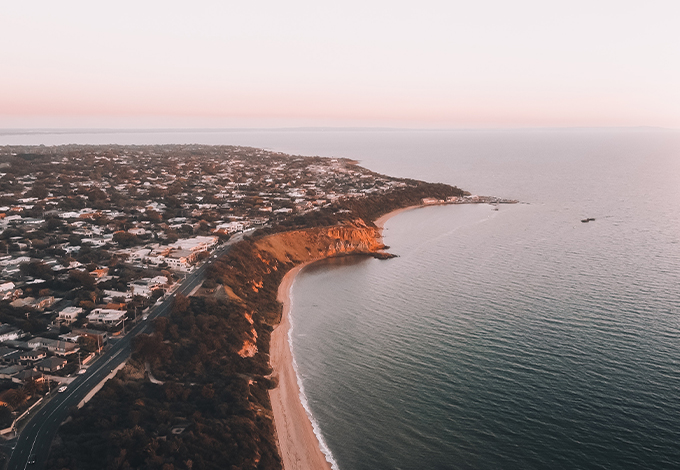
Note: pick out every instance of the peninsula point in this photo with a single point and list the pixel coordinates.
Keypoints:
(151, 283)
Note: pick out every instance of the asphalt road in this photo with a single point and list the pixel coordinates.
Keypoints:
(35, 439)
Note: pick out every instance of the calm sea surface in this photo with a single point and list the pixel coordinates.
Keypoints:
(517, 338)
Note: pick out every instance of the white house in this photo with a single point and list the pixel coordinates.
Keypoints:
(231, 227)
(180, 260)
(9, 333)
(115, 294)
(140, 289)
(106, 316)
(69, 314)
(196, 244)
(157, 282)
(15, 261)
(5, 286)
(95, 241)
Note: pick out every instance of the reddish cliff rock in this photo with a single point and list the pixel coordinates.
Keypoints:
(253, 270)
(316, 243)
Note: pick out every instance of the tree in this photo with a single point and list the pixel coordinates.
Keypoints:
(31, 387)
(37, 269)
(125, 239)
(96, 194)
(87, 343)
(74, 240)
(153, 216)
(38, 191)
(181, 304)
(5, 416)
(16, 398)
(83, 278)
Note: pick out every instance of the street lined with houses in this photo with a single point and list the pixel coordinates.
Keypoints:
(38, 431)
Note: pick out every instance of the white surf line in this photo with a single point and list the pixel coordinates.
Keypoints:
(302, 396)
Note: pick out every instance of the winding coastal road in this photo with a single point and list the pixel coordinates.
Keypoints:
(32, 447)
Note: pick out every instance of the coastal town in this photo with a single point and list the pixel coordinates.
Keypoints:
(91, 238)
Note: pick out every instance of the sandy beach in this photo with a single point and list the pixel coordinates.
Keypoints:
(298, 445)
(380, 222)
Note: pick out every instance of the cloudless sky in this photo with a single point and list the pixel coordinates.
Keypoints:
(451, 64)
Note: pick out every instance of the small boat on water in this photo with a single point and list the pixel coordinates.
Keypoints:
(589, 219)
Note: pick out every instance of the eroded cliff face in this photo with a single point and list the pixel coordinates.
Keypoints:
(270, 257)
(249, 348)
(300, 246)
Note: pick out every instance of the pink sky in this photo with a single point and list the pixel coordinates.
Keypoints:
(437, 64)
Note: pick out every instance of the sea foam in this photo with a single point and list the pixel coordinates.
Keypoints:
(303, 397)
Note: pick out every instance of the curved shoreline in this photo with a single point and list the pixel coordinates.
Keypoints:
(299, 445)
(380, 221)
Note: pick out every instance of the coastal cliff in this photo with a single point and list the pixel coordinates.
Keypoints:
(210, 356)
(254, 269)
(273, 255)
(211, 362)
(203, 401)
(300, 246)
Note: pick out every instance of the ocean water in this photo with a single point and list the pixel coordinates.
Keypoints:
(511, 338)
(518, 338)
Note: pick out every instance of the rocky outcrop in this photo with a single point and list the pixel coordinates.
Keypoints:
(249, 348)
(300, 246)
(254, 269)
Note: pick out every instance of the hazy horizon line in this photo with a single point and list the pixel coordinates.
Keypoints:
(113, 130)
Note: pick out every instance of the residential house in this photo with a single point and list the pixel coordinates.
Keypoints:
(60, 348)
(9, 333)
(11, 294)
(7, 286)
(30, 357)
(28, 375)
(10, 371)
(106, 317)
(145, 287)
(43, 302)
(114, 294)
(179, 260)
(8, 355)
(98, 273)
(69, 315)
(51, 364)
(101, 337)
(25, 302)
